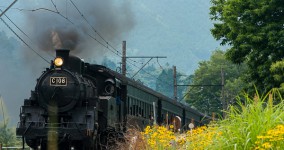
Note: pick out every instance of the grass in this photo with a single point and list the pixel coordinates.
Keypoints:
(249, 119)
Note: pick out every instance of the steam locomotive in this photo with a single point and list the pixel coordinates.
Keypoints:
(77, 105)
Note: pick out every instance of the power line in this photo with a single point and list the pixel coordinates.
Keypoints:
(54, 5)
(20, 29)
(16, 26)
(8, 8)
(46, 9)
(166, 82)
(107, 43)
(57, 12)
(103, 44)
(24, 41)
(114, 50)
(82, 15)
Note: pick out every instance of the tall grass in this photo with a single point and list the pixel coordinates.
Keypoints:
(249, 119)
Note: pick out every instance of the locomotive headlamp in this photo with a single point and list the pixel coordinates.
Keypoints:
(58, 62)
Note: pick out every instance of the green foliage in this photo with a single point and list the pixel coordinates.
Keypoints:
(254, 30)
(208, 99)
(7, 135)
(165, 83)
(248, 120)
(148, 75)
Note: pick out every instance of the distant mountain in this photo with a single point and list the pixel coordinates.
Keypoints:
(177, 29)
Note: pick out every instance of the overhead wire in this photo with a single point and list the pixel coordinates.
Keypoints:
(54, 5)
(166, 82)
(20, 29)
(82, 15)
(16, 26)
(98, 33)
(23, 41)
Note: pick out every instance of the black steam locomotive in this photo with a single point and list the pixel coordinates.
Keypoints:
(76, 105)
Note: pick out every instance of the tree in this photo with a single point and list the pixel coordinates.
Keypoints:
(277, 70)
(7, 135)
(208, 98)
(254, 30)
(165, 83)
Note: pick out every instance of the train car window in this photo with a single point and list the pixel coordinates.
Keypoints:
(143, 108)
(140, 112)
(135, 110)
(133, 106)
(146, 110)
(128, 106)
(151, 110)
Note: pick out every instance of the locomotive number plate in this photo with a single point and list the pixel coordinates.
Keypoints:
(58, 81)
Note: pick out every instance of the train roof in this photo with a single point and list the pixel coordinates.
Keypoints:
(125, 80)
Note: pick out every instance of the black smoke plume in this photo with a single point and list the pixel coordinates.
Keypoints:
(58, 24)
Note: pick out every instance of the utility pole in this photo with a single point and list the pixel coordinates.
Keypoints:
(175, 82)
(123, 69)
(223, 97)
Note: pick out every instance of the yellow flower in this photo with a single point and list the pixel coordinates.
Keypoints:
(266, 145)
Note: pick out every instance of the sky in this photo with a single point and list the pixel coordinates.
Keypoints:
(179, 30)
